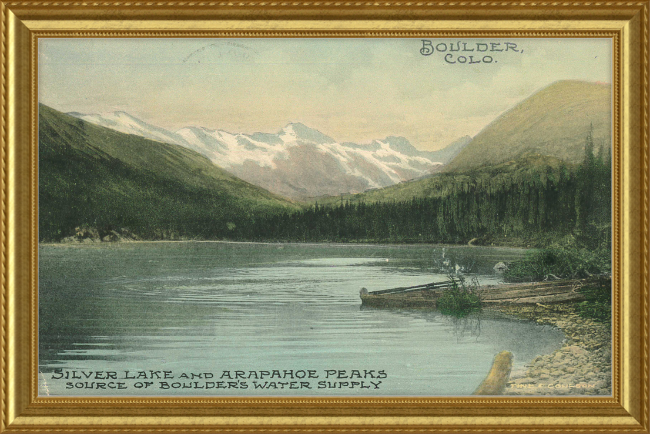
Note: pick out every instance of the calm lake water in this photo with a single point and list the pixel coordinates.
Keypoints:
(197, 309)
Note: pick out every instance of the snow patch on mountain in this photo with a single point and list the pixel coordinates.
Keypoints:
(228, 150)
(127, 124)
(297, 162)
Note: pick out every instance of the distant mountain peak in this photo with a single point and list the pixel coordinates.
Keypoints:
(401, 144)
(297, 162)
(301, 132)
(126, 123)
(297, 124)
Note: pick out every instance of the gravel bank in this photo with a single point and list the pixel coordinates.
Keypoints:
(582, 366)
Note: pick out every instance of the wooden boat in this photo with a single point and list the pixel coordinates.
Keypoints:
(426, 296)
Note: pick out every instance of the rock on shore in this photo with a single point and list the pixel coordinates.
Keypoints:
(85, 235)
(582, 366)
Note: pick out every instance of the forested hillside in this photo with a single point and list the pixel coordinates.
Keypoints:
(532, 201)
(97, 183)
(101, 184)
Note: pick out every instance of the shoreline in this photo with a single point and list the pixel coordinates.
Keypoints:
(581, 366)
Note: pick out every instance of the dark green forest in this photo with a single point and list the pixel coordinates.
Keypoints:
(535, 201)
(98, 184)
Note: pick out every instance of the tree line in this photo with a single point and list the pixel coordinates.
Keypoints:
(535, 201)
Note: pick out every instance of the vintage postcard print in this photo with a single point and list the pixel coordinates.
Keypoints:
(324, 217)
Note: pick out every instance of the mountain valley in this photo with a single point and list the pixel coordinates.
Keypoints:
(297, 162)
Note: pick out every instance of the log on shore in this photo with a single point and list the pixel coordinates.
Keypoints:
(497, 378)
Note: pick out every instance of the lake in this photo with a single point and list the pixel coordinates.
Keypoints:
(215, 318)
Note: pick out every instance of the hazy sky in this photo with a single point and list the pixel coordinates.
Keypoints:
(350, 89)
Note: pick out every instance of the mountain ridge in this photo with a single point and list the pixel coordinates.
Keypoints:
(277, 161)
(94, 177)
(553, 121)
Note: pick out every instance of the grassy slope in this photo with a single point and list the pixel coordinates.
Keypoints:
(554, 121)
(94, 176)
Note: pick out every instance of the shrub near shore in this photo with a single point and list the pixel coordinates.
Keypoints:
(571, 263)
(559, 262)
(460, 299)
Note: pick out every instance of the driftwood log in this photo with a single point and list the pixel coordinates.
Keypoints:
(495, 382)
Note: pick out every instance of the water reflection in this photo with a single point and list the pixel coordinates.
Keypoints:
(213, 306)
(467, 326)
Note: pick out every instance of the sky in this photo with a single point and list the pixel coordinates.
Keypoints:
(353, 90)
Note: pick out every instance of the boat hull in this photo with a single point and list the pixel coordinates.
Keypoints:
(559, 291)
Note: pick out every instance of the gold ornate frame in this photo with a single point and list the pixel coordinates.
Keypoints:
(23, 22)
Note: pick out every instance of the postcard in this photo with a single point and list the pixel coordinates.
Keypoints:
(325, 217)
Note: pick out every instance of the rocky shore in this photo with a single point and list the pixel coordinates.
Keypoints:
(582, 366)
(86, 235)
(90, 235)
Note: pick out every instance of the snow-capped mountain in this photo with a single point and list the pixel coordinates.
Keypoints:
(296, 162)
(125, 123)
